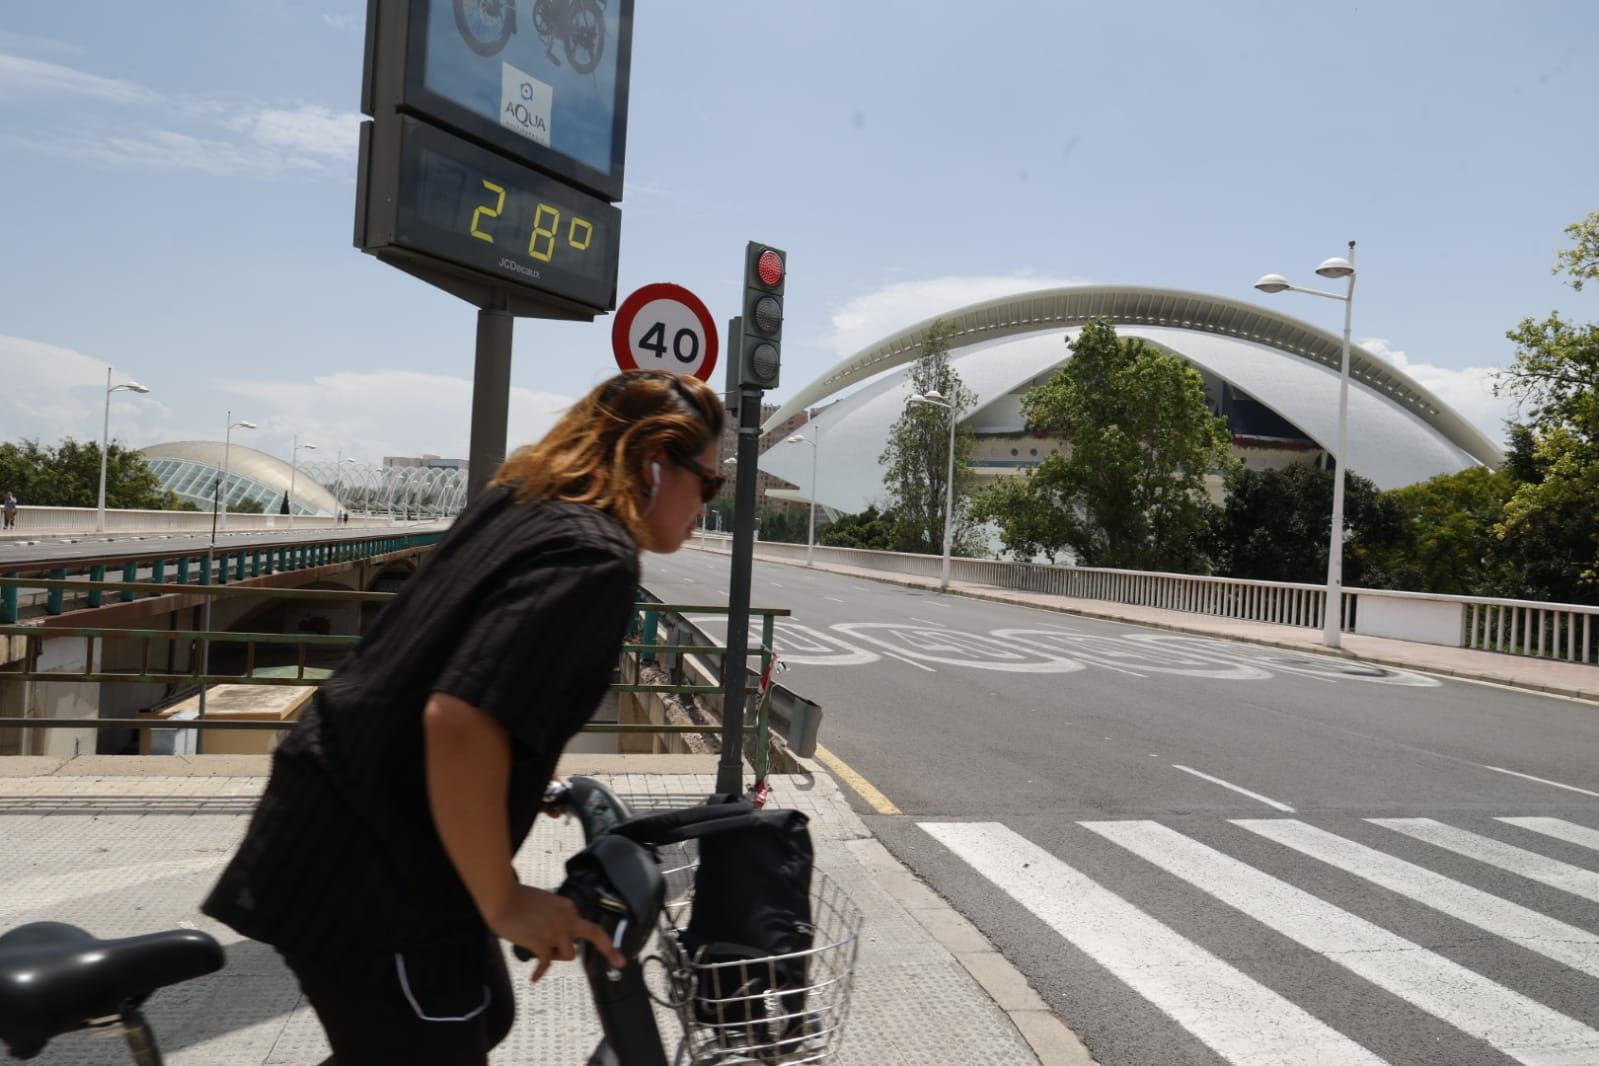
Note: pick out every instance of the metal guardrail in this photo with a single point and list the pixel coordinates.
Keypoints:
(193, 569)
(649, 615)
(1565, 631)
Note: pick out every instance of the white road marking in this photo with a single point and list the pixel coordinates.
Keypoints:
(1559, 829)
(1520, 1027)
(1235, 1016)
(1576, 948)
(924, 621)
(835, 599)
(1519, 861)
(1541, 780)
(909, 662)
(1228, 784)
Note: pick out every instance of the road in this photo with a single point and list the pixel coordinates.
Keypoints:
(1202, 852)
(66, 547)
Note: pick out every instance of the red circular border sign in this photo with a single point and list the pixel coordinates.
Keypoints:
(622, 324)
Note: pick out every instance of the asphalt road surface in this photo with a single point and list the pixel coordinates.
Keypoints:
(1204, 852)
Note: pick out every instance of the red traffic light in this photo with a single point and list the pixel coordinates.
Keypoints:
(769, 268)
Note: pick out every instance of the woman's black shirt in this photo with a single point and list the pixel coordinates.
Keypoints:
(520, 611)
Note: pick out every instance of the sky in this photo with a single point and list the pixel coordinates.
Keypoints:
(177, 186)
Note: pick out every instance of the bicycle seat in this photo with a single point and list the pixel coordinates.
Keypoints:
(55, 977)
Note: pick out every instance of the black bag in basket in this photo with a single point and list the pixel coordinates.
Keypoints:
(752, 900)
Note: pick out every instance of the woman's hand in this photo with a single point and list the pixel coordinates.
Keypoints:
(549, 926)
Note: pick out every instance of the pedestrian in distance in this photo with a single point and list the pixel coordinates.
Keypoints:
(379, 860)
(10, 508)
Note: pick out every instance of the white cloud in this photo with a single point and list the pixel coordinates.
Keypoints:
(386, 412)
(307, 130)
(19, 75)
(1469, 390)
(53, 392)
(25, 42)
(343, 22)
(869, 318)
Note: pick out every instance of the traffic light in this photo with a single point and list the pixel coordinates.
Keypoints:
(759, 357)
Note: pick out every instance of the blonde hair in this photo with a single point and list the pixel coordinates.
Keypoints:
(595, 452)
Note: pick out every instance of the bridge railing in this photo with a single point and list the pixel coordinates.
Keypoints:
(61, 578)
(799, 717)
(54, 520)
(1564, 631)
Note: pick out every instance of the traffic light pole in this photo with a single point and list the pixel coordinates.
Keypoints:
(730, 768)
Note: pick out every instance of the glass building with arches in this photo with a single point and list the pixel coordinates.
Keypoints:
(190, 468)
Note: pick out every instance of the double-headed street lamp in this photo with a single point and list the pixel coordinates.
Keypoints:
(1332, 617)
(105, 440)
(810, 539)
(227, 448)
(936, 399)
(294, 468)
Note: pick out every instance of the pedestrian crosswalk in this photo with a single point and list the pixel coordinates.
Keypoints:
(1305, 886)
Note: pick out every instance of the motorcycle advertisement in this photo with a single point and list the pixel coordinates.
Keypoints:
(542, 69)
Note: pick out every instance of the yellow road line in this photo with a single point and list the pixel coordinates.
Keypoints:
(867, 791)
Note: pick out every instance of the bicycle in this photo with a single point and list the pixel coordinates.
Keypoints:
(56, 978)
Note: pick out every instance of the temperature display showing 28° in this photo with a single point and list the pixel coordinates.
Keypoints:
(477, 208)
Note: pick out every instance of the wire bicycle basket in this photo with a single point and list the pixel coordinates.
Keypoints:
(767, 1010)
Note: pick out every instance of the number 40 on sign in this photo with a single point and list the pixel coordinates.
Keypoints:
(665, 327)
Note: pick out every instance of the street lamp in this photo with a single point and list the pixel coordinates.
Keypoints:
(338, 484)
(934, 398)
(1332, 626)
(810, 540)
(105, 440)
(294, 468)
(227, 447)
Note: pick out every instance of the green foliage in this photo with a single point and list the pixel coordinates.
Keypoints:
(1581, 262)
(247, 506)
(1131, 491)
(68, 475)
(1446, 541)
(872, 529)
(1548, 525)
(1276, 526)
(916, 459)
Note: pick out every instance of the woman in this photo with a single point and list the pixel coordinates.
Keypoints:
(378, 862)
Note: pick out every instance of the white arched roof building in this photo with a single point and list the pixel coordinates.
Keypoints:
(1274, 377)
(189, 468)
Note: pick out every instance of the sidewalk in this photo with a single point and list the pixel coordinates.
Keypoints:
(127, 844)
(1575, 680)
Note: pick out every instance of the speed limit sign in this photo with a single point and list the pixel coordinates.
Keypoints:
(665, 327)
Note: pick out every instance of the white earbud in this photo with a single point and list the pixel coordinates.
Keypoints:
(655, 478)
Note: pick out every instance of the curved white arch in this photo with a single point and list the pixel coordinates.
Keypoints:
(1052, 310)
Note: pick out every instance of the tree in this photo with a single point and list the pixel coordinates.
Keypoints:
(68, 475)
(1276, 525)
(872, 529)
(1130, 490)
(1446, 542)
(916, 459)
(1549, 522)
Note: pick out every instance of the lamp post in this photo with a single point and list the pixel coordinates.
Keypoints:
(1332, 616)
(294, 461)
(105, 440)
(934, 398)
(810, 539)
(338, 485)
(227, 447)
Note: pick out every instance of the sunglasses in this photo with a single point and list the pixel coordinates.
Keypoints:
(710, 481)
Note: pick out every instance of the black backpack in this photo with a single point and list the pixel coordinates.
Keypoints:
(752, 900)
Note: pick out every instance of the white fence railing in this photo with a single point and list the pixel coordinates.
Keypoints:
(53, 520)
(1565, 631)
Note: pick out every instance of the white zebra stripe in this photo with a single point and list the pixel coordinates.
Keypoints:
(1522, 1028)
(1519, 861)
(1241, 1020)
(1558, 828)
(1576, 948)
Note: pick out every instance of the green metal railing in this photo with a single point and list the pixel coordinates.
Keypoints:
(211, 569)
(645, 627)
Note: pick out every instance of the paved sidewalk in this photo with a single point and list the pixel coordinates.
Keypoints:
(122, 845)
(1576, 680)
